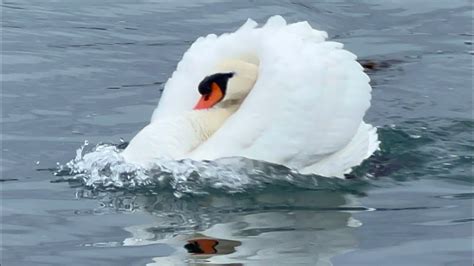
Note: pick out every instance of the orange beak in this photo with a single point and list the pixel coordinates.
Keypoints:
(209, 100)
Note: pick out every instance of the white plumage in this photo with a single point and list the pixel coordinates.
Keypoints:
(305, 110)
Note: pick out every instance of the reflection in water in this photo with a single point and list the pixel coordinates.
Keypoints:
(206, 246)
(275, 228)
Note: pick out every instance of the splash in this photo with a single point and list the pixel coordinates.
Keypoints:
(404, 149)
(103, 168)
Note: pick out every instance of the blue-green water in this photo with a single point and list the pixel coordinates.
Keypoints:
(92, 70)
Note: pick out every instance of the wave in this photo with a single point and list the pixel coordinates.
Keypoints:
(101, 167)
(408, 151)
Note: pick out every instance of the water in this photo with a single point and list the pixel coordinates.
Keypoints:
(83, 70)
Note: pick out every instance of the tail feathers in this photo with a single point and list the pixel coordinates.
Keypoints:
(364, 143)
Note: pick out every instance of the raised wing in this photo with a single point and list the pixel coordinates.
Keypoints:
(308, 102)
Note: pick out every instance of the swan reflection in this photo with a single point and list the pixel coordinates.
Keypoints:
(271, 228)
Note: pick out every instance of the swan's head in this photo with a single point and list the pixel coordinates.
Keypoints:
(228, 85)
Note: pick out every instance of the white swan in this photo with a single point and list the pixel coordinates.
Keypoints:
(280, 93)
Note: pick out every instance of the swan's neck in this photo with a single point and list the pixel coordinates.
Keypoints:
(175, 137)
(207, 122)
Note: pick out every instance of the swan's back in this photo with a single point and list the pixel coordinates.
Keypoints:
(306, 106)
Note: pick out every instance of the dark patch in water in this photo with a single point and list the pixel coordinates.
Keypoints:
(376, 65)
(96, 45)
(90, 28)
(467, 220)
(12, 6)
(8, 179)
(135, 85)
